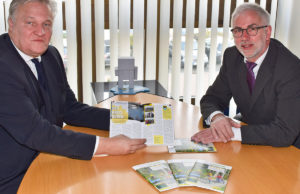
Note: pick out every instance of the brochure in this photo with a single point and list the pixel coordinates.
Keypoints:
(186, 145)
(181, 169)
(151, 121)
(209, 175)
(185, 172)
(157, 174)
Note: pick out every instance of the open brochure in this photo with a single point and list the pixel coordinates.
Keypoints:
(157, 174)
(186, 145)
(185, 172)
(151, 121)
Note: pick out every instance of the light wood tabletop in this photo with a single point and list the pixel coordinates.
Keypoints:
(255, 169)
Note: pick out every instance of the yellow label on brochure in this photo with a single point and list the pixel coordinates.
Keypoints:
(118, 114)
(167, 113)
(158, 139)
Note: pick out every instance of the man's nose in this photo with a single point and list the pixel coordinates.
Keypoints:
(40, 30)
(245, 35)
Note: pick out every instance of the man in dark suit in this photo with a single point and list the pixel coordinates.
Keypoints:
(263, 78)
(35, 99)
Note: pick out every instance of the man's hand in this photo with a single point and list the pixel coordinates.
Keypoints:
(220, 130)
(119, 145)
(221, 127)
(204, 136)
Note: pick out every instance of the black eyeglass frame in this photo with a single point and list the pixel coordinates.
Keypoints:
(246, 29)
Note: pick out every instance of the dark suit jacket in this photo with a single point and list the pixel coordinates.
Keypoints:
(31, 118)
(272, 112)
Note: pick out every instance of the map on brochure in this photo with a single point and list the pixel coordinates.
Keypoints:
(181, 169)
(209, 175)
(157, 174)
(186, 145)
(185, 172)
(151, 121)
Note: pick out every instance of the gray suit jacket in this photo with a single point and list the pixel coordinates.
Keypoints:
(31, 117)
(272, 112)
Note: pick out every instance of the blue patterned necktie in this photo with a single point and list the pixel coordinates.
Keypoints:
(40, 71)
(250, 75)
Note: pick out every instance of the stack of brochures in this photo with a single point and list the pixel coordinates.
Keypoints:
(165, 175)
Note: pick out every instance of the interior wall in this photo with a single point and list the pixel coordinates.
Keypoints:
(287, 24)
(294, 33)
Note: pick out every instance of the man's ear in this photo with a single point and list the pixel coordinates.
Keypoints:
(268, 32)
(10, 23)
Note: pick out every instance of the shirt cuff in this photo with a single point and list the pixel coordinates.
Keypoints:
(96, 145)
(208, 120)
(237, 134)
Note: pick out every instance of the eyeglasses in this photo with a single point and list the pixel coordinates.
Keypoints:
(251, 30)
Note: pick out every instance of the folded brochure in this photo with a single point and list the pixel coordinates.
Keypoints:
(186, 145)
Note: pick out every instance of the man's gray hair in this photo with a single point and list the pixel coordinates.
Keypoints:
(16, 3)
(264, 15)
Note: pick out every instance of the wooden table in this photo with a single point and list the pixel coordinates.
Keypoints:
(255, 169)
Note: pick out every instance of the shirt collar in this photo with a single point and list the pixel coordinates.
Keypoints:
(24, 56)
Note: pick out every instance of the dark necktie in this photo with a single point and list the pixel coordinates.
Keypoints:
(250, 75)
(40, 71)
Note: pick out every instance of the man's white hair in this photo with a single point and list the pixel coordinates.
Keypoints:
(264, 15)
(16, 3)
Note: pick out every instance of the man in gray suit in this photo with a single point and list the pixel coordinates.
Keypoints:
(263, 77)
(35, 99)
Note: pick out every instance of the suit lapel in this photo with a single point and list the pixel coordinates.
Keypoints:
(52, 82)
(41, 98)
(241, 94)
(243, 79)
(264, 74)
(21, 68)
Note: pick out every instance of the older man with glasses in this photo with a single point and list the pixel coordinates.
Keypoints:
(262, 76)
